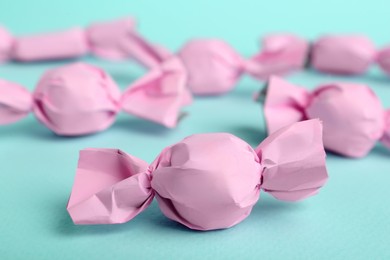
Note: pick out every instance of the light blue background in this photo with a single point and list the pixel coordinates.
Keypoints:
(349, 219)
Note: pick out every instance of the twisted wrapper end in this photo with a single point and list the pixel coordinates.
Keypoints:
(110, 187)
(147, 54)
(383, 59)
(6, 44)
(281, 54)
(105, 38)
(160, 94)
(284, 104)
(15, 102)
(386, 136)
(293, 160)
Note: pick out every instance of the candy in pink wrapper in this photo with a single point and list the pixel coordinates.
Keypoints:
(71, 43)
(281, 53)
(343, 54)
(80, 99)
(6, 43)
(106, 38)
(202, 190)
(214, 67)
(353, 117)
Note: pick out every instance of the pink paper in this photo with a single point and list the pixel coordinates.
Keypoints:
(76, 99)
(202, 191)
(386, 136)
(383, 59)
(352, 114)
(15, 102)
(145, 53)
(280, 54)
(106, 38)
(213, 66)
(6, 43)
(81, 99)
(56, 45)
(160, 94)
(343, 54)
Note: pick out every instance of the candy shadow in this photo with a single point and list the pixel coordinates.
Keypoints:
(381, 150)
(268, 207)
(375, 77)
(140, 126)
(28, 128)
(246, 92)
(123, 79)
(252, 135)
(33, 129)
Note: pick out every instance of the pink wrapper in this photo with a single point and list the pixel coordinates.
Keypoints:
(280, 54)
(383, 59)
(214, 67)
(106, 38)
(343, 54)
(6, 43)
(202, 191)
(80, 99)
(386, 136)
(15, 102)
(147, 54)
(352, 114)
(56, 45)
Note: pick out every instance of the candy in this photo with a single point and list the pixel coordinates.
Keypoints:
(214, 67)
(80, 99)
(353, 117)
(56, 45)
(343, 54)
(202, 190)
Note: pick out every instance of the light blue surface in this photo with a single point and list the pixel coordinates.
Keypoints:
(349, 219)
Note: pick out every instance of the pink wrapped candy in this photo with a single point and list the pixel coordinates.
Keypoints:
(202, 190)
(214, 67)
(353, 117)
(343, 54)
(56, 45)
(114, 40)
(80, 99)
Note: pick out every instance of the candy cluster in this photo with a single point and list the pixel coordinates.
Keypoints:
(213, 66)
(206, 181)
